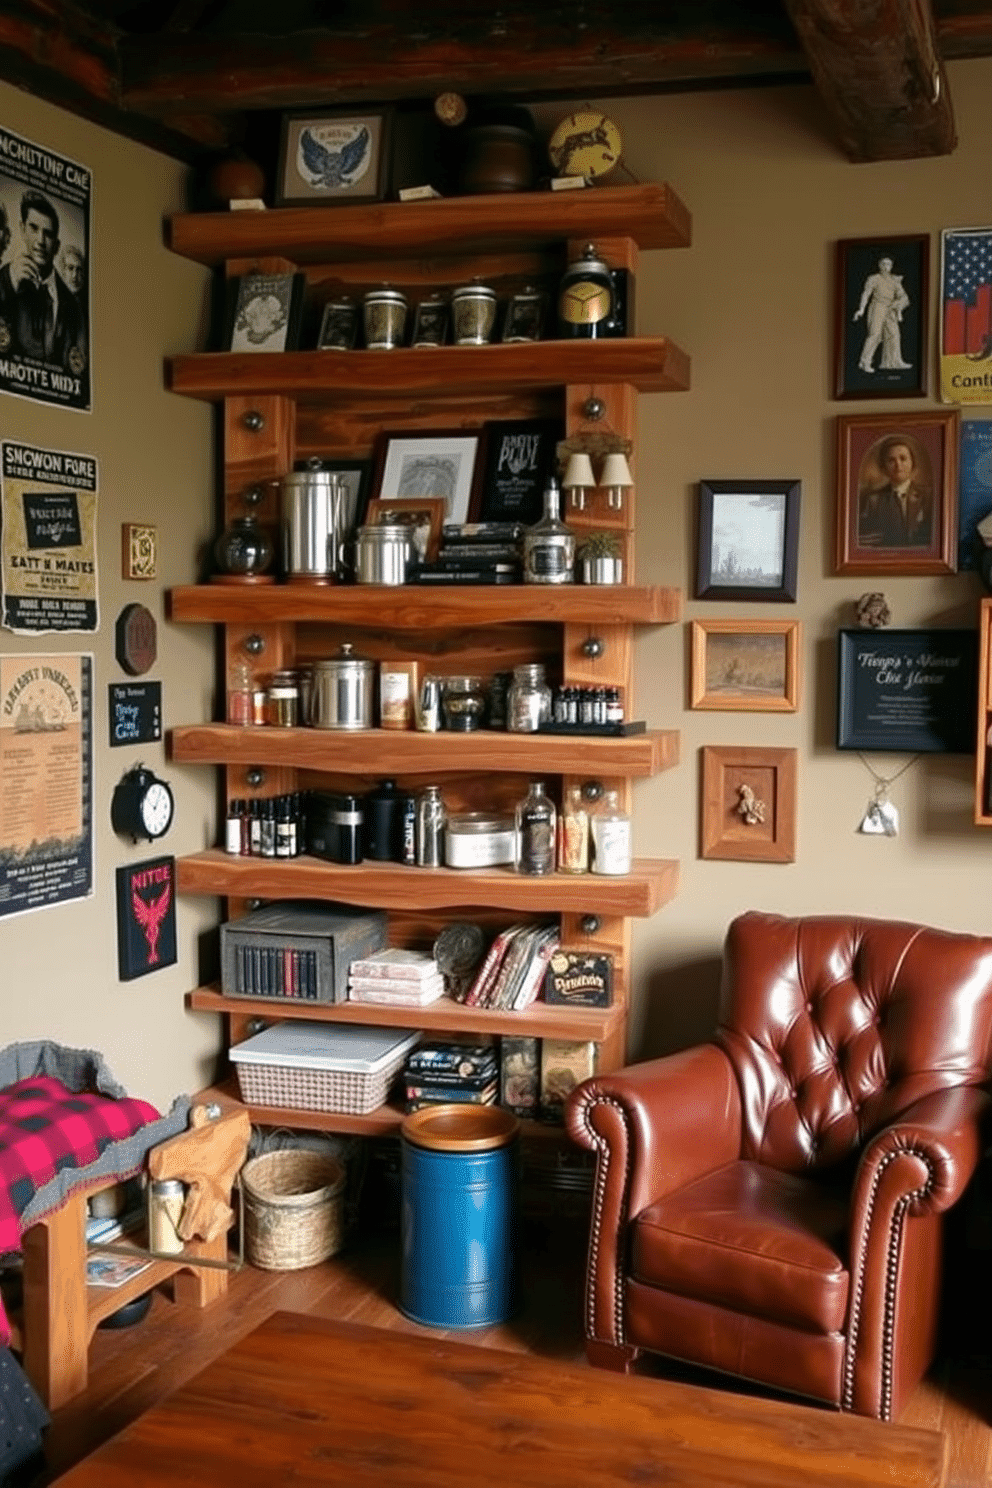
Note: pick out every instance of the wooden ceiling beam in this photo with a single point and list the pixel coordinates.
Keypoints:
(516, 51)
(878, 71)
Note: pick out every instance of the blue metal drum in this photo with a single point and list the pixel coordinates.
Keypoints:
(459, 1184)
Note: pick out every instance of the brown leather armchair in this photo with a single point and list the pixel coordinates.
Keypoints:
(770, 1204)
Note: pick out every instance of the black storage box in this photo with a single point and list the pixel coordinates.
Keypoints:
(298, 950)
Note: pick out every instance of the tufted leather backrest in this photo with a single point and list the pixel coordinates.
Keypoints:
(835, 1024)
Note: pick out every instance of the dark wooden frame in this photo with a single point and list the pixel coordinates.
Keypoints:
(404, 510)
(708, 585)
(723, 834)
(933, 437)
(871, 661)
(855, 259)
(377, 176)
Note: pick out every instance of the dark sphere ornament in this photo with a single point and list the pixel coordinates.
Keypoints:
(243, 549)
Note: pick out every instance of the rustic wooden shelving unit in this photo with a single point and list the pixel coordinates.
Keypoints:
(278, 409)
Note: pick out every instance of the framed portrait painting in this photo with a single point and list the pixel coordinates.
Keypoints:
(897, 489)
(333, 156)
(880, 317)
(748, 540)
(442, 465)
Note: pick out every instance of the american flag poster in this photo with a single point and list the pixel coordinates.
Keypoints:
(966, 315)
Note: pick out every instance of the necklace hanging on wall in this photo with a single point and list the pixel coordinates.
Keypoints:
(881, 818)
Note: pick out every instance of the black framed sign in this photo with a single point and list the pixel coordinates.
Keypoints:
(135, 712)
(146, 917)
(519, 458)
(907, 690)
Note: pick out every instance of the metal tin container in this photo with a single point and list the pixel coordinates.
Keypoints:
(473, 314)
(382, 554)
(312, 531)
(477, 839)
(343, 691)
(384, 319)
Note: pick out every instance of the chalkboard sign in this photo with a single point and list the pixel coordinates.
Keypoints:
(907, 690)
(135, 712)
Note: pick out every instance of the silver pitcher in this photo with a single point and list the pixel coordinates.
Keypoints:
(313, 504)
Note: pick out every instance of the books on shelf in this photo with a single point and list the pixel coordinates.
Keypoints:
(564, 1064)
(396, 964)
(113, 1270)
(388, 992)
(512, 972)
(113, 1226)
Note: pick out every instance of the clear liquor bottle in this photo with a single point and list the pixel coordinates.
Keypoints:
(536, 821)
(549, 546)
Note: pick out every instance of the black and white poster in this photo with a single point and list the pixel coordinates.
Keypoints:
(44, 274)
(47, 539)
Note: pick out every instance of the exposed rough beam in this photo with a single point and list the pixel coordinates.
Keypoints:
(964, 29)
(527, 52)
(59, 53)
(877, 68)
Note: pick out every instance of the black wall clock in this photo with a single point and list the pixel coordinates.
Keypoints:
(142, 805)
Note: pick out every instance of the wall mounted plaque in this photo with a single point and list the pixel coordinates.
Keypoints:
(135, 712)
(135, 639)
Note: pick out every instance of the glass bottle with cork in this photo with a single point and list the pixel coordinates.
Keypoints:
(549, 545)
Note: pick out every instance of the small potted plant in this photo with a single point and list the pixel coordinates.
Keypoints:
(600, 558)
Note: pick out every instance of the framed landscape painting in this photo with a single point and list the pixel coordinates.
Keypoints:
(748, 539)
(745, 666)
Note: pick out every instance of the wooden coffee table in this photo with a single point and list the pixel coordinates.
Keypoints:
(305, 1401)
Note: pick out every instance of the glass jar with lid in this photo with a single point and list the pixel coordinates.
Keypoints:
(282, 700)
(529, 699)
(463, 703)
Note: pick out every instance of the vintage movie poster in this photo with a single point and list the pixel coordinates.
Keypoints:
(46, 781)
(966, 315)
(48, 539)
(44, 274)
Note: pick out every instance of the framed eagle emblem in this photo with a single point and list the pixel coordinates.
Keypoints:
(329, 157)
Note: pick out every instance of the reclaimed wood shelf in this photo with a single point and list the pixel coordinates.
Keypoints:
(651, 364)
(638, 894)
(424, 607)
(409, 752)
(540, 1020)
(651, 214)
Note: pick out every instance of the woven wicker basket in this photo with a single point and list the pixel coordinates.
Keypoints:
(293, 1209)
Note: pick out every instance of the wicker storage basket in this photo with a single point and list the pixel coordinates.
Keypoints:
(321, 1066)
(293, 1209)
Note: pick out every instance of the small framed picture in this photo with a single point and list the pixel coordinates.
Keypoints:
(897, 481)
(745, 666)
(519, 456)
(881, 308)
(430, 322)
(526, 313)
(338, 326)
(749, 804)
(266, 312)
(424, 515)
(146, 917)
(748, 540)
(907, 690)
(333, 156)
(444, 465)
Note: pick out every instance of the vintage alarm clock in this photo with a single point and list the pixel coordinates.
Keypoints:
(585, 144)
(142, 805)
(586, 297)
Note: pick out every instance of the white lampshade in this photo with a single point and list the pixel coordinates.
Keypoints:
(616, 471)
(578, 478)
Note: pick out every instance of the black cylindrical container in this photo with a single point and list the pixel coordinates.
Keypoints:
(408, 828)
(335, 827)
(384, 823)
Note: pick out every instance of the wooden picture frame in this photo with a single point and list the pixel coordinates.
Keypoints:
(881, 313)
(745, 666)
(908, 691)
(139, 551)
(423, 514)
(748, 544)
(442, 464)
(330, 157)
(748, 804)
(877, 530)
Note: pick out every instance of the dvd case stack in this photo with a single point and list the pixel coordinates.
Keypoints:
(476, 553)
(396, 977)
(439, 1072)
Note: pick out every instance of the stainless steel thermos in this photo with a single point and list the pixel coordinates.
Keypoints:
(312, 525)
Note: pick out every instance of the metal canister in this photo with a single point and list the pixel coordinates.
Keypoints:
(473, 314)
(166, 1197)
(312, 532)
(382, 554)
(343, 691)
(384, 318)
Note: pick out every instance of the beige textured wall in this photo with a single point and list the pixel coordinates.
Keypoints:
(58, 966)
(751, 302)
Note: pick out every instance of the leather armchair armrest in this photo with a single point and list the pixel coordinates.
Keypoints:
(910, 1172)
(653, 1126)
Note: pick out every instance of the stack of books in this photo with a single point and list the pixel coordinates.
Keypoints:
(476, 553)
(443, 1071)
(512, 974)
(396, 977)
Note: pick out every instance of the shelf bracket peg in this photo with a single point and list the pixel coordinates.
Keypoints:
(591, 790)
(255, 776)
(254, 644)
(253, 421)
(593, 646)
(589, 924)
(593, 409)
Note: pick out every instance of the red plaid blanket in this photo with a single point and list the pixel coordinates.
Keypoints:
(44, 1128)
